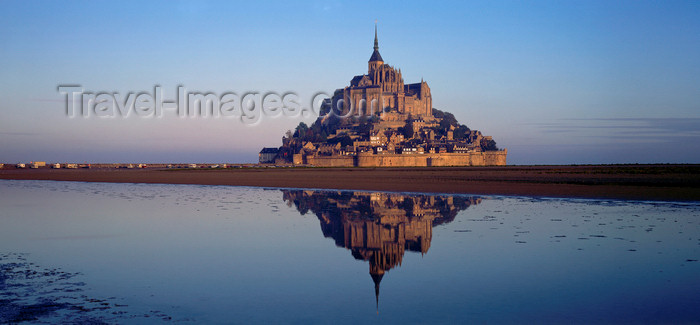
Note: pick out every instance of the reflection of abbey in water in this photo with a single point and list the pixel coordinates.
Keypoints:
(379, 227)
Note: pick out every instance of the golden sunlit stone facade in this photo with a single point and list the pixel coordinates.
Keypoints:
(383, 89)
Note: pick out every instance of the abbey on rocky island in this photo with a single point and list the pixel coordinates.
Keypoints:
(379, 121)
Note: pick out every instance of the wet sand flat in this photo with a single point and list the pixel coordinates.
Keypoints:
(636, 182)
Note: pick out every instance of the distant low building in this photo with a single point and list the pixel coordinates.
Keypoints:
(268, 155)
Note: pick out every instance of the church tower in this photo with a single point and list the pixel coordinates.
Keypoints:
(375, 61)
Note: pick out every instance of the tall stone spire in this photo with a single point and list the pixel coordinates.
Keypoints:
(376, 57)
(376, 42)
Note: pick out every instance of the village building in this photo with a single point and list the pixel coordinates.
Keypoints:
(268, 155)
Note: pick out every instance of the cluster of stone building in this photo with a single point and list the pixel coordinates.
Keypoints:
(381, 99)
(385, 145)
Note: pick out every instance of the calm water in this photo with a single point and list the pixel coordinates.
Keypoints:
(123, 253)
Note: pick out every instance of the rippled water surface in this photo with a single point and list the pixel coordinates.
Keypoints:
(137, 253)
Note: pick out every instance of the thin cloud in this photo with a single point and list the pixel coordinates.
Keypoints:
(625, 127)
(19, 133)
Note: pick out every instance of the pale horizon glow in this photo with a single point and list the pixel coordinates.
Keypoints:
(576, 82)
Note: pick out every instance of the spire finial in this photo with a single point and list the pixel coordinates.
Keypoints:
(376, 294)
(376, 42)
(377, 276)
(376, 57)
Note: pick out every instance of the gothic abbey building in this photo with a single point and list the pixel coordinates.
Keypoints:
(380, 121)
(383, 89)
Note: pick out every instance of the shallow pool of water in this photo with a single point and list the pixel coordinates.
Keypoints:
(123, 253)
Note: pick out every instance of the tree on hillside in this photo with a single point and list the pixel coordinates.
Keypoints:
(323, 136)
(300, 131)
(488, 145)
(364, 127)
(460, 133)
(407, 129)
(343, 139)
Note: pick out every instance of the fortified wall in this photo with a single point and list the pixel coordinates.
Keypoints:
(487, 158)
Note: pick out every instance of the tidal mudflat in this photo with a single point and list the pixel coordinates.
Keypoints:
(155, 253)
(628, 182)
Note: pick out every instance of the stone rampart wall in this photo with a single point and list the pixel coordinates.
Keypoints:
(489, 158)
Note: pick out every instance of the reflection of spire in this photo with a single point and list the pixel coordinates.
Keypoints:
(377, 278)
(379, 227)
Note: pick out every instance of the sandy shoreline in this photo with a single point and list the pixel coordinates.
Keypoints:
(633, 182)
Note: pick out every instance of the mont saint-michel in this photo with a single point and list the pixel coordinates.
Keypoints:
(378, 121)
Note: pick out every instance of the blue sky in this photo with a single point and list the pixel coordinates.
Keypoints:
(555, 82)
